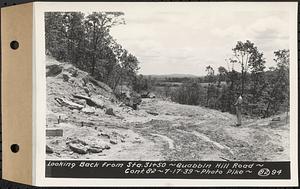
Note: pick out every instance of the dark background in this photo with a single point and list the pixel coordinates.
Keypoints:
(3, 3)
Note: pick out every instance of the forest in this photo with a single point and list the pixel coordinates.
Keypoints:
(85, 41)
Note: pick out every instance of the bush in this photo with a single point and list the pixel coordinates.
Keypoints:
(191, 93)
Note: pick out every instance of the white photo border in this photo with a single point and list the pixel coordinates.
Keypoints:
(39, 91)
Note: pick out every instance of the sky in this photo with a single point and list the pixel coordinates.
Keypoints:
(185, 41)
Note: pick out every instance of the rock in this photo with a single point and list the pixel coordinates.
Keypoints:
(152, 95)
(92, 86)
(75, 73)
(53, 70)
(85, 81)
(87, 91)
(98, 103)
(147, 94)
(88, 110)
(80, 101)
(71, 70)
(78, 148)
(122, 140)
(107, 147)
(55, 142)
(69, 104)
(81, 97)
(66, 77)
(135, 100)
(132, 99)
(104, 135)
(153, 113)
(91, 101)
(113, 141)
(276, 119)
(280, 149)
(72, 80)
(137, 141)
(49, 150)
(78, 141)
(110, 111)
(75, 110)
(95, 150)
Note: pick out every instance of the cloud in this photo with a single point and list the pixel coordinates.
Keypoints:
(269, 28)
(187, 41)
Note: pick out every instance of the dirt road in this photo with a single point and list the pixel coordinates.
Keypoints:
(163, 130)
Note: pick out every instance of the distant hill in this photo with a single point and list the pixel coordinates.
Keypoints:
(173, 76)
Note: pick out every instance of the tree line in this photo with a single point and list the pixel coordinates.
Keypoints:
(264, 92)
(85, 41)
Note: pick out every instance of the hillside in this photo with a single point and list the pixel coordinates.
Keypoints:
(97, 126)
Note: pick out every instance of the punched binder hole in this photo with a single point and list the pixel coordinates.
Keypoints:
(14, 45)
(14, 148)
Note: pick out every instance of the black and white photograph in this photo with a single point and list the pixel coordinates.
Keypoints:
(168, 85)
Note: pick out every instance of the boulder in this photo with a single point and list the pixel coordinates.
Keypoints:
(280, 149)
(71, 70)
(132, 99)
(69, 104)
(105, 135)
(95, 149)
(81, 97)
(87, 91)
(113, 141)
(53, 70)
(92, 86)
(144, 94)
(70, 140)
(80, 101)
(110, 111)
(85, 81)
(152, 95)
(147, 94)
(74, 73)
(78, 148)
(72, 80)
(135, 100)
(66, 77)
(276, 118)
(88, 110)
(91, 101)
(98, 103)
(49, 150)
(153, 113)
